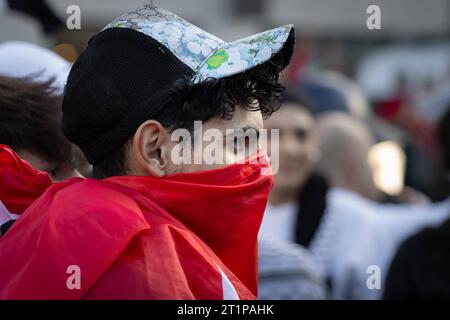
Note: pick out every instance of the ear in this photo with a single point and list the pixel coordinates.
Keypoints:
(148, 149)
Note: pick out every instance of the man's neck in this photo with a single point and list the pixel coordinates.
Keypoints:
(343, 185)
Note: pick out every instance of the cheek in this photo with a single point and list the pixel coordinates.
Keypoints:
(311, 151)
(293, 151)
(194, 157)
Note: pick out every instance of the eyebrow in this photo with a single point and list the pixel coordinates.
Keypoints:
(245, 128)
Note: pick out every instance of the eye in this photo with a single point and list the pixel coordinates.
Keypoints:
(301, 134)
(246, 143)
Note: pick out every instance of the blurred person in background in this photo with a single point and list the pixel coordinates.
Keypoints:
(296, 187)
(330, 91)
(32, 80)
(39, 10)
(30, 114)
(306, 202)
(286, 269)
(20, 185)
(357, 232)
(20, 59)
(420, 269)
(33, 21)
(30, 124)
(345, 142)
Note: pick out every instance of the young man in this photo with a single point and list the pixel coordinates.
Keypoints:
(148, 227)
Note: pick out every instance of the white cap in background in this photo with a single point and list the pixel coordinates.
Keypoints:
(21, 59)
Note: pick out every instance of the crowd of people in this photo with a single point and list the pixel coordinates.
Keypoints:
(325, 200)
(85, 151)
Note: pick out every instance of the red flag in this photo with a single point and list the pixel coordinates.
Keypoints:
(20, 184)
(186, 236)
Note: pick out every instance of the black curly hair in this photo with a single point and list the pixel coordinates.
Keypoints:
(187, 102)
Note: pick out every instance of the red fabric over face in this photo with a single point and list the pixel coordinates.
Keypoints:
(185, 236)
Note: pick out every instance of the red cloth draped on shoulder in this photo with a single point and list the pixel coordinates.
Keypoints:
(20, 184)
(189, 236)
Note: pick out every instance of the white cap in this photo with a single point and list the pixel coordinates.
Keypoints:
(22, 59)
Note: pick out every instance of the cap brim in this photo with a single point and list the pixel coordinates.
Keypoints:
(245, 54)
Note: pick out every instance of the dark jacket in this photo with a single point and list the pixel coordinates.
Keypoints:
(421, 268)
